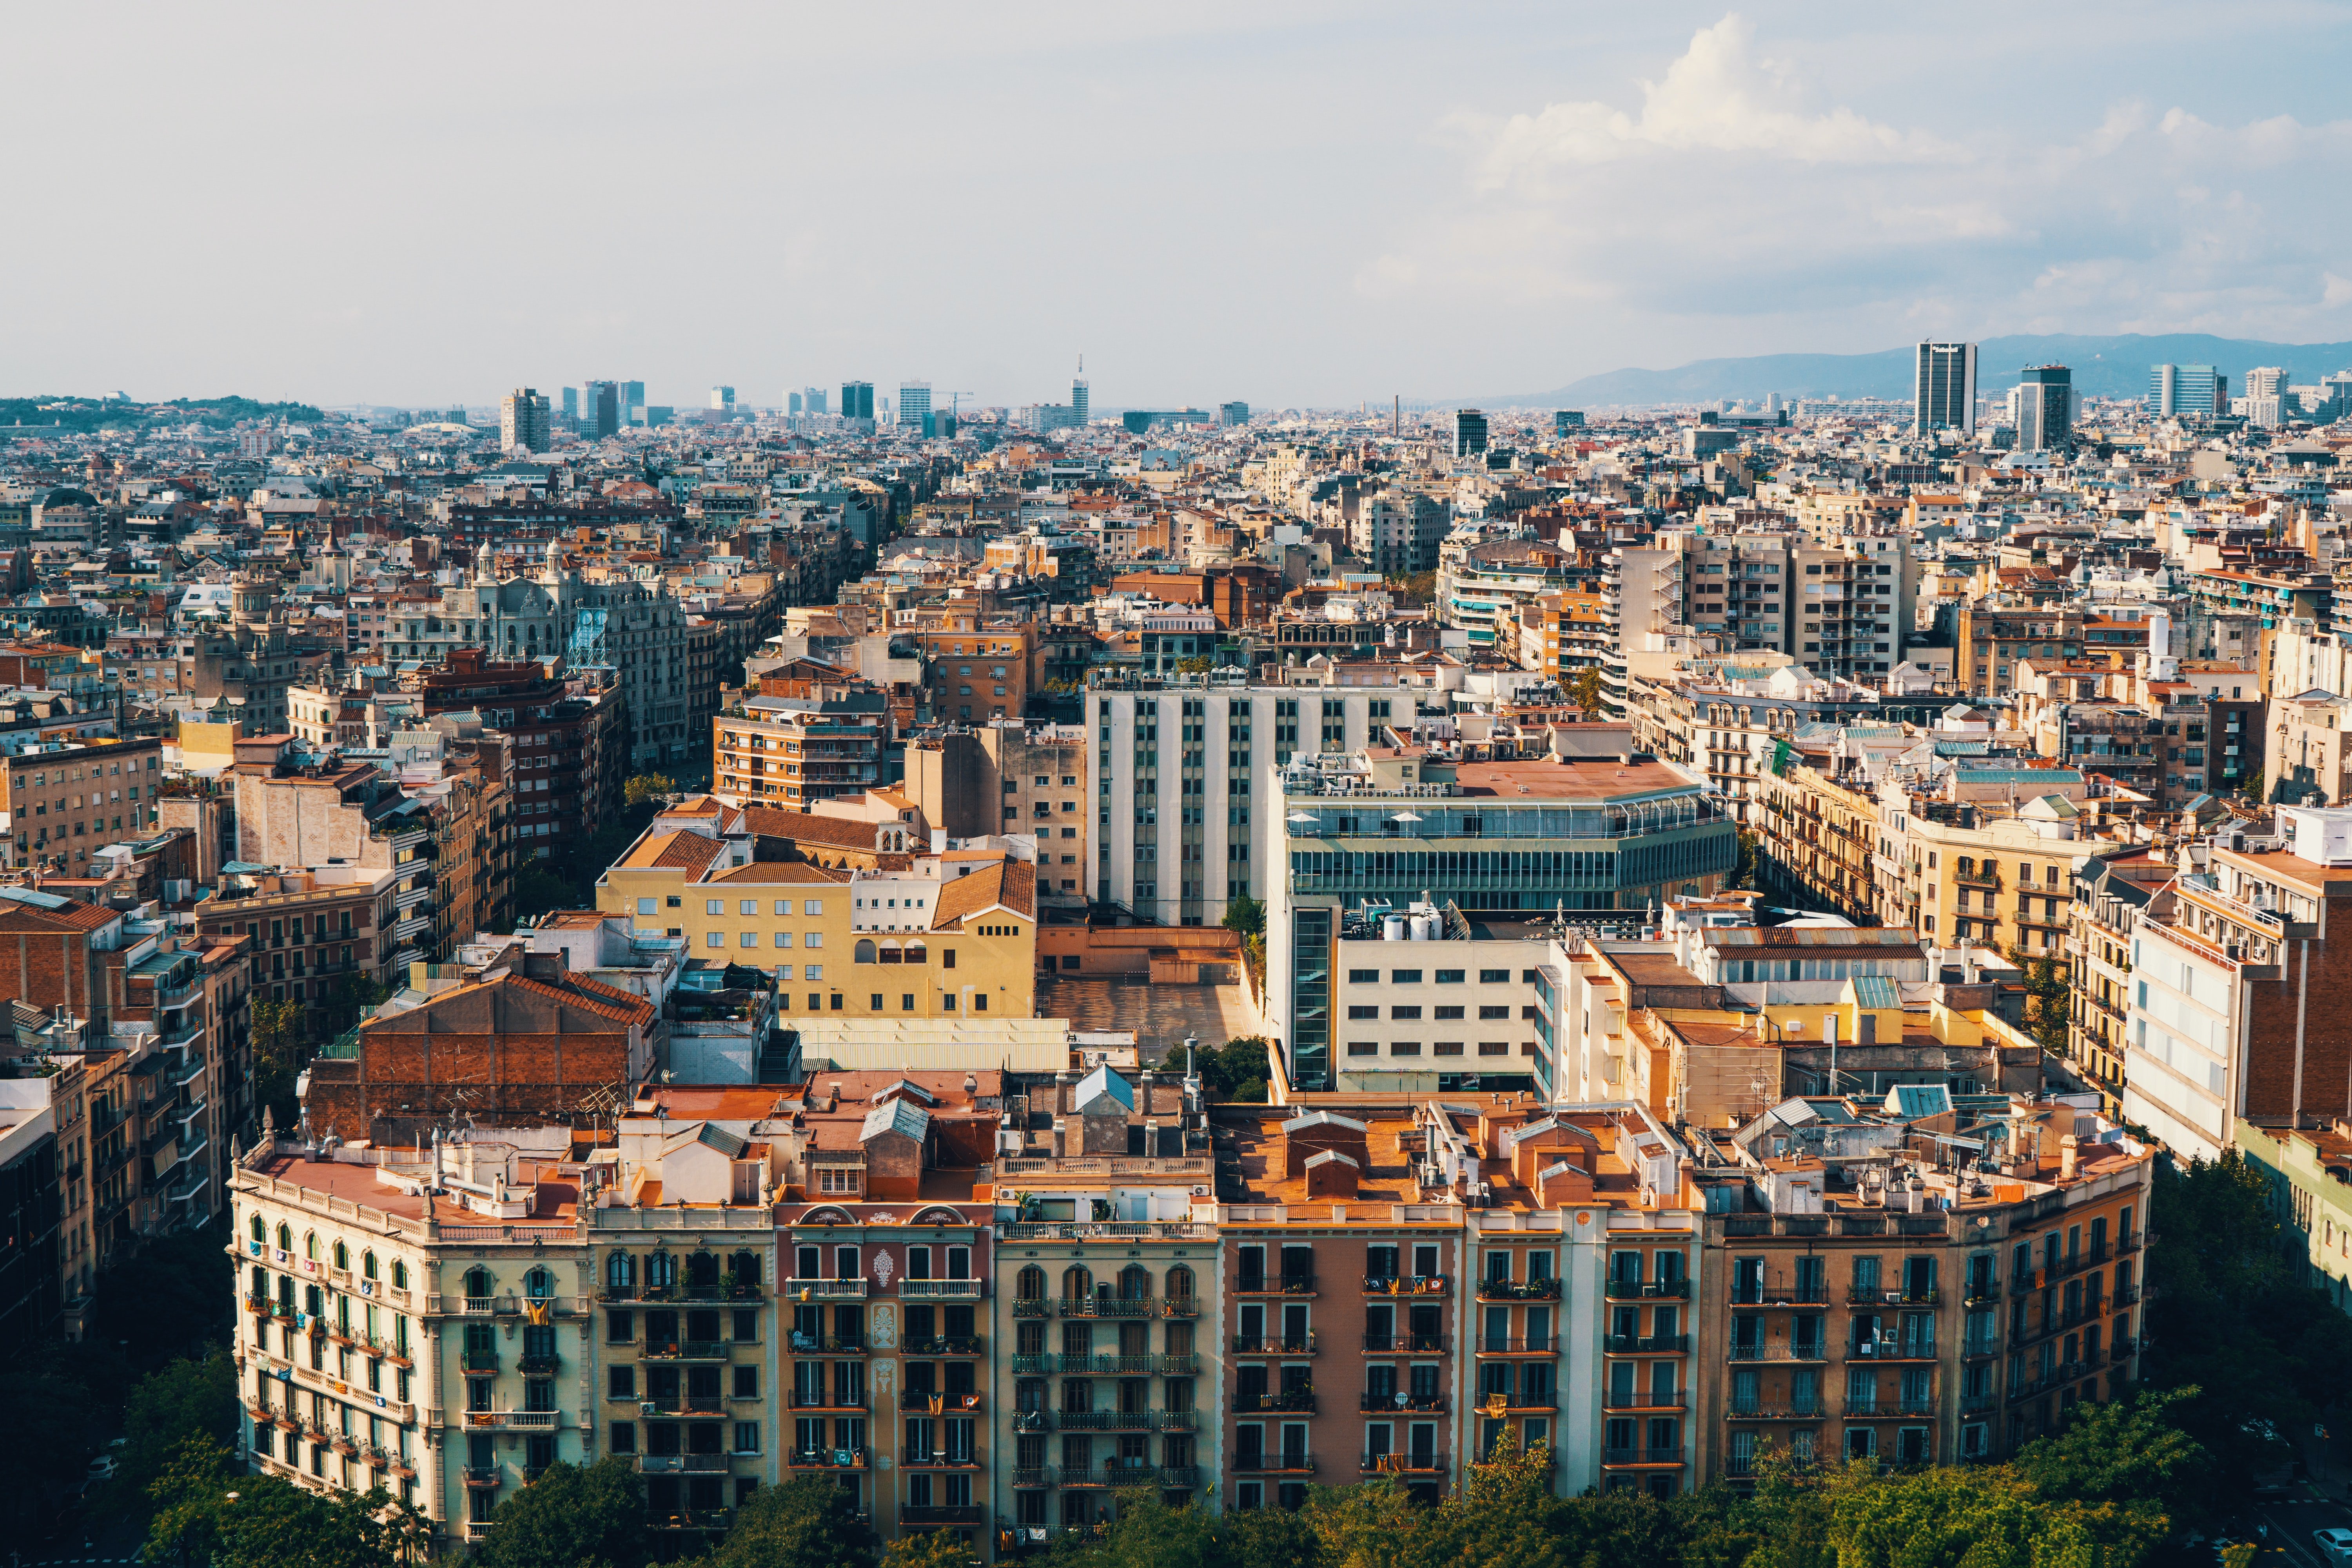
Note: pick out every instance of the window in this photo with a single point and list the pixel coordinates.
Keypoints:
(714, 906)
(1493, 977)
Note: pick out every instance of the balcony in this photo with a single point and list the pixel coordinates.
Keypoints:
(1863, 1297)
(1275, 1344)
(482, 1475)
(1794, 1350)
(1409, 1284)
(1647, 1344)
(1295, 1402)
(823, 1290)
(712, 1518)
(828, 1459)
(1642, 1399)
(968, 1513)
(1775, 1410)
(1402, 1402)
(1286, 1463)
(537, 1365)
(1772, 1293)
(1518, 1290)
(1108, 1307)
(685, 1349)
(942, 1346)
(1179, 1478)
(681, 1404)
(478, 1360)
(936, 1459)
(1105, 1420)
(1893, 1350)
(1407, 1344)
(1504, 1344)
(820, 1400)
(521, 1420)
(1654, 1290)
(1032, 1307)
(959, 1289)
(1274, 1284)
(671, 1464)
(1407, 1464)
(1621, 1457)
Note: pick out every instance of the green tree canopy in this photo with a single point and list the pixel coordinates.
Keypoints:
(572, 1515)
(213, 1511)
(804, 1523)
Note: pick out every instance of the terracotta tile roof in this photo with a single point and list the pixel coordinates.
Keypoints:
(777, 871)
(1012, 885)
(637, 1011)
(72, 916)
(769, 822)
(683, 849)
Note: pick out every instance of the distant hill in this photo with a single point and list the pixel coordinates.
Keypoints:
(2103, 367)
(91, 413)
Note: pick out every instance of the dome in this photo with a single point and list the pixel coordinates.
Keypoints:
(66, 495)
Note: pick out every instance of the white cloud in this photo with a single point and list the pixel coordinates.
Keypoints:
(1717, 97)
(1735, 189)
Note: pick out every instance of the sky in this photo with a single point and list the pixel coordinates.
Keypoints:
(1289, 202)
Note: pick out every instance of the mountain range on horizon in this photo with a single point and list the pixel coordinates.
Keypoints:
(2115, 366)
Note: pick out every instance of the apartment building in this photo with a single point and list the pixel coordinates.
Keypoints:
(792, 750)
(1106, 1278)
(1997, 869)
(1183, 827)
(2226, 1019)
(2113, 891)
(68, 798)
(2309, 1196)
(1399, 978)
(1009, 778)
(974, 669)
(679, 1235)
(1397, 532)
(1874, 1291)
(33, 1288)
(953, 935)
(306, 931)
(1588, 832)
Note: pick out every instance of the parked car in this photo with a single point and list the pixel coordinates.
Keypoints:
(2335, 1544)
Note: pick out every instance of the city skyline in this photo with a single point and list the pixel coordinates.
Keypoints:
(1509, 157)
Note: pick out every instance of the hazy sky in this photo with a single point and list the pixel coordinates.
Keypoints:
(1284, 203)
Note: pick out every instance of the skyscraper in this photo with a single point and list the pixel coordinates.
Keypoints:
(2045, 409)
(1233, 414)
(814, 399)
(523, 421)
(791, 403)
(722, 397)
(603, 407)
(914, 406)
(857, 401)
(631, 409)
(1078, 401)
(1945, 389)
(571, 403)
(1469, 432)
(2163, 391)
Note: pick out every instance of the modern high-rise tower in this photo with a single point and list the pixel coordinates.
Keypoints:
(1945, 389)
(1078, 401)
(2045, 409)
(523, 421)
(2163, 391)
(603, 408)
(1469, 432)
(857, 400)
(914, 406)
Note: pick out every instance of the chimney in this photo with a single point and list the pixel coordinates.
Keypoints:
(1061, 1133)
(2069, 1152)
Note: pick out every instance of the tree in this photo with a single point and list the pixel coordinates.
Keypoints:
(804, 1523)
(1744, 871)
(2128, 1453)
(647, 789)
(2048, 1000)
(194, 1397)
(211, 1510)
(1585, 690)
(279, 1030)
(1246, 915)
(1199, 665)
(929, 1548)
(571, 1515)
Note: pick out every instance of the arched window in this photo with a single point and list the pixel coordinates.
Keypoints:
(1180, 1284)
(702, 1271)
(1077, 1284)
(661, 1271)
(367, 1264)
(313, 1304)
(620, 1272)
(286, 1291)
(745, 1266)
(260, 1288)
(1135, 1283)
(538, 1284)
(399, 1275)
(1031, 1284)
(310, 1245)
(260, 1231)
(863, 952)
(890, 953)
(343, 1257)
(478, 1282)
(916, 952)
(285, 1238)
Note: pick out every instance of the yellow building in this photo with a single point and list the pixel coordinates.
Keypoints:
(848, 942)
(1815, 838)
(1960, 874)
